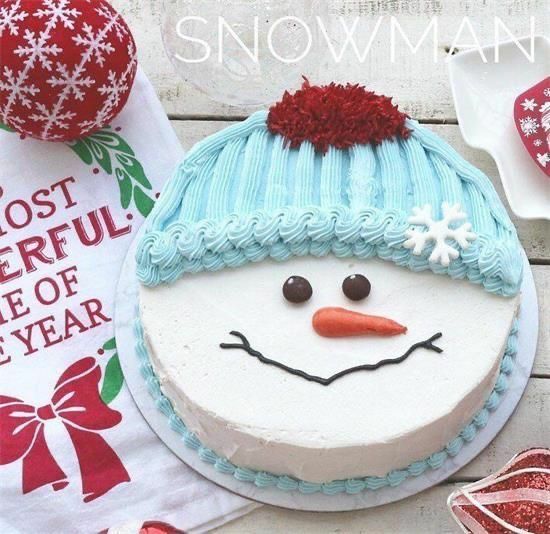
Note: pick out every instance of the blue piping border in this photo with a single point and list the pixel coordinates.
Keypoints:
(351, 485)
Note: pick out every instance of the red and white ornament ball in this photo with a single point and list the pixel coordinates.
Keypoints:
(67, 66)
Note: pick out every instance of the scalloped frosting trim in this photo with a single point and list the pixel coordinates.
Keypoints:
(351, 485)
(164, 255)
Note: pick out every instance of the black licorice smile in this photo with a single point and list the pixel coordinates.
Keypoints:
(245, 345)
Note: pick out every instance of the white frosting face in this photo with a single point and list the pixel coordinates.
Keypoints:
(365, 423)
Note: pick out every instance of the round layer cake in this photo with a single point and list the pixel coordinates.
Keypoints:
(366, 423)
(328, 290)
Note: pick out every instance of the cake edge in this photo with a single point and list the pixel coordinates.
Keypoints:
(350, 485)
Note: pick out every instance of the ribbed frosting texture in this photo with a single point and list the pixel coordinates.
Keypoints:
(242, 195)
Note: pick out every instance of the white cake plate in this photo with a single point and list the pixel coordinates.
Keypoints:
(125, 313)
(484, 94)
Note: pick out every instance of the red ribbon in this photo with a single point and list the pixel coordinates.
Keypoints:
(76, 402)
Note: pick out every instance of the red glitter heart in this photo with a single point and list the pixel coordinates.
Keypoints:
(517, 496)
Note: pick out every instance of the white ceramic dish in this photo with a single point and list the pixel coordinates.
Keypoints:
(484, 96)
(125, 309)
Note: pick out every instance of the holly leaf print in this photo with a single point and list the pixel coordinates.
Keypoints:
(133, 168)
(100, 154)
(112, 140)
(112, 377)
(112, 380)
(115, 156)
(110, 344)
(125, 186)
(144, 203)
(82, 151)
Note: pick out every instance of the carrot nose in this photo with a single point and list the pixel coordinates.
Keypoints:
(339, 322)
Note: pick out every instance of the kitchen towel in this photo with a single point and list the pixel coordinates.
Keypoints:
(75, 453)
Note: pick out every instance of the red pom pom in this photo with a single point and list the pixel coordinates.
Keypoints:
(67, 66)
(336, 115)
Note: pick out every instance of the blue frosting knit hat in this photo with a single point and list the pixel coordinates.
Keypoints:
(345, 183)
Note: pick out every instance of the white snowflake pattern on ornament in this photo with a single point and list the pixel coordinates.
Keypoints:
(439, 232)
(58, 11)
(543, 159)
(18, 91)
(37, 48)
(546, 92)
(537, 142)
(9, 17)
(15, 83)
(529, 125)
(529, 104)
(53, 117)
(72, 83)
(94, 43)
(89, 52)
(114, 90)
(83, 82)
(114, 21)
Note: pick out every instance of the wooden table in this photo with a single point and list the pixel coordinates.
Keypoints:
(422, 90)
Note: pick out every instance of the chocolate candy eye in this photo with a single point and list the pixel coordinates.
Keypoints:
(356, 287)
(297, 289)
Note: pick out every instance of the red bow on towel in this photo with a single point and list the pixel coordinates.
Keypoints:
(76, 402)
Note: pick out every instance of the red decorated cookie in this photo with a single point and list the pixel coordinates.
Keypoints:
(532, 117)
(514, 499)
(67, 66)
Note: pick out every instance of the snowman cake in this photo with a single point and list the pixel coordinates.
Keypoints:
(328, 296)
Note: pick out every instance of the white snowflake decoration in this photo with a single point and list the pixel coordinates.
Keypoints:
(114, 22)
(114, 91)
(529, 125)
(72, 83)
(543, 159)
(546, 92)
(537, 142)
(17, 89)
(439, 232)
(58, 11)
(16, 83)
(38, 49)
(53, 117)
(529, 104)
(9, 17)
(95, 44)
